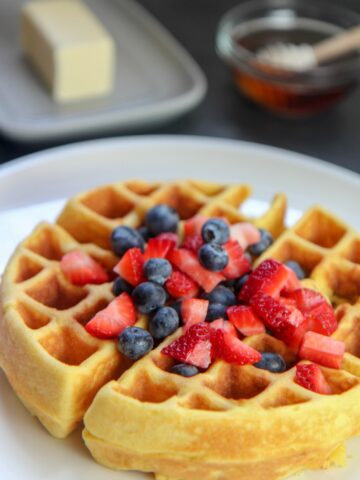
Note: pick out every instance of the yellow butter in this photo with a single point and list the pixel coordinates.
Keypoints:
(69, 48)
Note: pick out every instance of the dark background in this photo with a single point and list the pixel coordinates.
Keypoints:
(333, 136)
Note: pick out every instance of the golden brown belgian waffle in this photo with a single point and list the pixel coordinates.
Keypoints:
(52, 363)
(236, 422)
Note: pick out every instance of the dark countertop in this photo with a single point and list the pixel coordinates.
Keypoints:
(332, 136)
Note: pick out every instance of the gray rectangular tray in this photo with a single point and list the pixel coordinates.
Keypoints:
(156, 79)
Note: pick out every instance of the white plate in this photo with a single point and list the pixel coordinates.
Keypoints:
(27, 451)
(156, 80)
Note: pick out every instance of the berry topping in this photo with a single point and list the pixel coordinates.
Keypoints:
(130, 267)
(184, 370)
(164, 322)
(135, 342)
(232, 350)
(120, 285)
(311, 377)
(213, 257)
(296, 268)
(179, 285)
(215, 311)
(157, 270)
(194, 225)
(316, 310)
(177, 307)
(187, 262)
(173, 237)
(224, 326)
(272, 362)
(238, 262)
(80, 269)
(112, 320)
(193, 310)
(148, 297)
(193, 348)
(323, 350)
(123, 238)
(286, 322)
(269, 277)
(222, 295)
(244, 233)
(245, 320)
(263, 244)
(240, 282)
(144, 233)
(193, 242)
(160, 219)
(158, 248)
(215, 230)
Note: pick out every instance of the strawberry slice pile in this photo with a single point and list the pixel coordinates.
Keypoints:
(203, 343)
(171, 269)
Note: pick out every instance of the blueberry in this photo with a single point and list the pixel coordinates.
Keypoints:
(135, 342)
(144, 232)
(213, 257)
(272, 362)
(177, 307)
(157, 270)
(296, 267)
(148, 296)
(215, 311)
(120, 285)
(229, 284)
(220, 294)
(184, 369)
(122, 238)
(266, 240)
(240, 282)
(161, 218)
(164, 322)
(215, 230)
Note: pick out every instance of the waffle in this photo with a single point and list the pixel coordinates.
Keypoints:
(236, 422)
(53, 364)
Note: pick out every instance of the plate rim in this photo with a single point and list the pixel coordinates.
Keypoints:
(139, 116)
(283, 155)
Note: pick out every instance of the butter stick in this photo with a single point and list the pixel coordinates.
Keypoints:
(69, 48)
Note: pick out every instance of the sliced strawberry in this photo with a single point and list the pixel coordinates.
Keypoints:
(311, 377)
(322, 349)
(188, 263)
(180, 285)
(305, 298)
(232, 350)
(245, 320)
(158, 248)
(80, 269)
(269, 277)
(322, 319)
(316, 309)
(224, 326)
(194, 347)
(173, 237)
(245, 233)
(287, 301)
(286, 322)
(131, 267)
(113, 319)
(193, 242)
(238, 264)
(194, 225)
(292, 282)
(193, 310)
